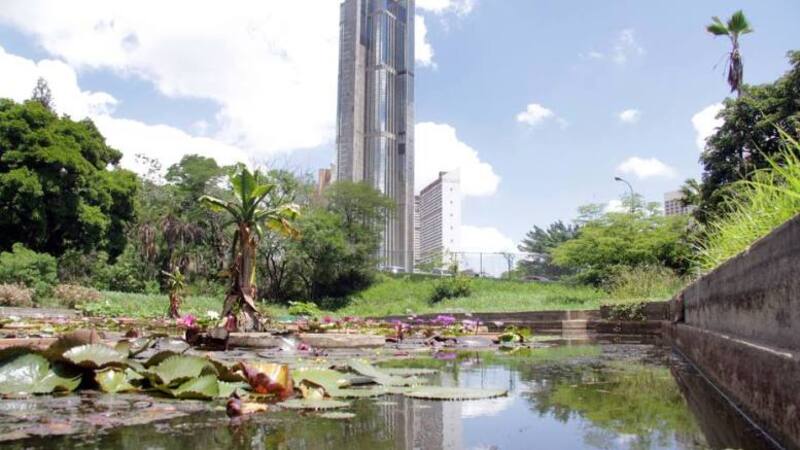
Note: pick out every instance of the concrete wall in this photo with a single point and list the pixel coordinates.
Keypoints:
(756, 295)
(740, 325)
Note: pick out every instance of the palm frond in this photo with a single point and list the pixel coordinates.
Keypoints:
(717, 28)
(738, 23)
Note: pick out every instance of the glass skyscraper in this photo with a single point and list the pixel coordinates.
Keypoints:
(375, 127)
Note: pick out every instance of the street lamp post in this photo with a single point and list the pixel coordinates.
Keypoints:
(629, 187)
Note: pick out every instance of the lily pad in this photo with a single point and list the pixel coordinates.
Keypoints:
(332, 381)
(93, 356)
(367, 369)
(113, 380)
(179, 368)
(205, 387)
(337, 415)
(408, 372)
(31, 373)
(226, 389)
(451, 393)
(314, 405)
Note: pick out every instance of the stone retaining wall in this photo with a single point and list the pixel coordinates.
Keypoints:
(740, 325)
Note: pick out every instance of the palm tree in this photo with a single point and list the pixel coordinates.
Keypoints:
(691, 191)
(176, 283)
(254, 206)
(737, 25)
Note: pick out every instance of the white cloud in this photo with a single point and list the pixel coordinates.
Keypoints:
(271, 66)
(535, 114)
(646, 168)
(162, 142)
(460, 7)
(630, 116)
(437, 148)
(626, 46)
(423, 51)
(615, 206)
(595, 55)
(705, 123)
(485, 239)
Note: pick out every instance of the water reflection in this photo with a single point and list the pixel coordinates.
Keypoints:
(569, 396)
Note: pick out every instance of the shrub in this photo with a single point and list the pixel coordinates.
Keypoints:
(71, 295)
(16, 295)
(31, 269)
(628, 311)
(643, 282)
(451, 287)
(306, 309)
(757, 207)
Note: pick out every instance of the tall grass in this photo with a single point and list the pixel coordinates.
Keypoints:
(644, 283)
(756, 208)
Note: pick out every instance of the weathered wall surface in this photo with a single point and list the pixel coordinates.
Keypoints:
(741, 326)
(756, 295)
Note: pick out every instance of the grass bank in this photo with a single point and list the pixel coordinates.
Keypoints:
(389, 296)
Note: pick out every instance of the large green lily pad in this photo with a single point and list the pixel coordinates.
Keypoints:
(408, 371)
(31, 373)
(452, 393)
(93, 356)
(113, 380)
(226, 389)
(314, 405)
(202, 388)
(180, 368)
(381, 377)
(332, 381)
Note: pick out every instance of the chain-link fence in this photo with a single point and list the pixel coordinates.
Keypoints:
(484, 264)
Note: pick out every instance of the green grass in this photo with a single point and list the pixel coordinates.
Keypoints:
(389, 296)
(401, 295)
(757, 208)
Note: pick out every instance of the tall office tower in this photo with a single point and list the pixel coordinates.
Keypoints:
(440, 218)
(375, 127)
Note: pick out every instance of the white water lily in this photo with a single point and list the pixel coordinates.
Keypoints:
(213, 315)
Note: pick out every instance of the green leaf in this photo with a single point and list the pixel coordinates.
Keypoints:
(94, 356)
(31, 373)
(179, 368)
(113, 380)
(227, 389)
(450, 393)
(738, 23)
(332, 381)
(205, 387)
(367, 369)
(314, 405)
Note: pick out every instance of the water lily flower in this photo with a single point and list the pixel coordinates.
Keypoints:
(187, 321)
(444, 321)
(327, 319)
(213, 315)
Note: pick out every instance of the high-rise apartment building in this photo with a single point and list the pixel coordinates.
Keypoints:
(375, 127)
(440, 218)
(673, 204)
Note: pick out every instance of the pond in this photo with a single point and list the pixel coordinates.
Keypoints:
(566, 395)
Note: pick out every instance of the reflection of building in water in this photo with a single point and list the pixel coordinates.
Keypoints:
(419, 424)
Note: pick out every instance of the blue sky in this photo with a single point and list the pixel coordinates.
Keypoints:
(525, 96)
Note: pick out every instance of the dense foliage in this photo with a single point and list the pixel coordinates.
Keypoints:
(22, 266)
(749, 137)
(540, 243)
(57, 191)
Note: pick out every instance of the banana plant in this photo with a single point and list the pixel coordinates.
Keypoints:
(176, 282)
(736, 26)
(254, 208)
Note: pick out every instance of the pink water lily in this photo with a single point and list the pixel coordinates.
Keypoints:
(187, 321)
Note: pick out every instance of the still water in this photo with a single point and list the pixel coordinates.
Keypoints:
(571, 395)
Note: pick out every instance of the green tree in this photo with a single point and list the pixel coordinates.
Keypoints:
(737, 26)
(540, 243)
(251, 210)
(691, 192)
(57, 191)
(752, 122)
(42, 94)
(625, 239)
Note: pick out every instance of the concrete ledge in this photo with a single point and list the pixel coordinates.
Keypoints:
(637, 327)
(754, 296)
(764, 380)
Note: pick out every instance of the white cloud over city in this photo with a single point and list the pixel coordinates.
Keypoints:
(535, 114)
(162, 142)
(423, 50)
(460, 7)
(623, 48)
(644, 168)
(705, 123)
(485, 239)
(630, 116)
(439, 149)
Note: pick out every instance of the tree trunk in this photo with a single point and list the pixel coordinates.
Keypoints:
(240, 301)
(174, 306)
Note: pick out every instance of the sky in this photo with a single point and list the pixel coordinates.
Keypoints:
(539, 104)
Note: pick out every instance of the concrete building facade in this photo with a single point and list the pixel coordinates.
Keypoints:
(375, 125)
(440, 217)
(673, 204)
